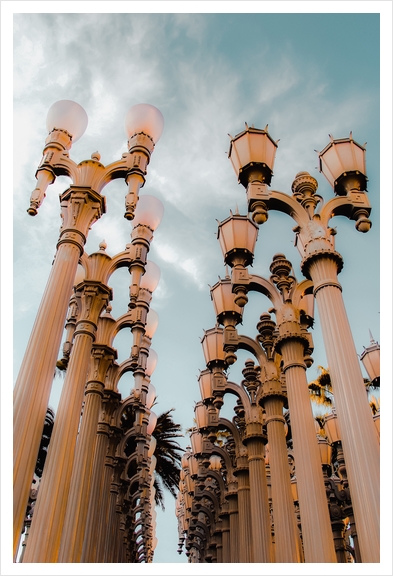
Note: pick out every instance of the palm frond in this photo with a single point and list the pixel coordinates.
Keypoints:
(321, 389)
(375, 404)
(159, 495)
(168, 453)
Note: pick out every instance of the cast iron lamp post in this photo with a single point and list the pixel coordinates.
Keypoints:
(63, 504)
(370, 358)
(331, 427)
(227, 515)
(343, 163)
(81, 205)
(237, 238)
(250, 450)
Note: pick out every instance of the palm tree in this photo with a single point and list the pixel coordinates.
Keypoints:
(168, 454)
(320, 389)
(321, 392)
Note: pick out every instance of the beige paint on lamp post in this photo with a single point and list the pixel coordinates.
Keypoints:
(343, 163)
(237, 238)
(229, 314)
(81, 205)
(47, 525)
(74, 530)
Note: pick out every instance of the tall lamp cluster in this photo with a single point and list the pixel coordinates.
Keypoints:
(268, 485)
(95, 501)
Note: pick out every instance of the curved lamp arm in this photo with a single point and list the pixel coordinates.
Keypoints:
(355, 206)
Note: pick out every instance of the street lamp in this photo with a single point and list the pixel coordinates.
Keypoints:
(283, 349)
(370, 358)
(82, 204)
(252, 153)
(343, 163)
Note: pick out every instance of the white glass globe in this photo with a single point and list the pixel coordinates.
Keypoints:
(149, 212)
(67, 115)
(150, 428)
(151, 362)
(153, 459)
(151, 324)
(152, 447)
(151, 277)
(80, 274)
(144, 118)
(151, 396)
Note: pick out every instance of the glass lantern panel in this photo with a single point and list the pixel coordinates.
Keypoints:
(331, 165)
(371, 362)
(242, 147)
(332, 429)
(205, 384)
(201, 415)
(196, 442)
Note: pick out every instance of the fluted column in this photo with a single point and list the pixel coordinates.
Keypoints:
(78, 499)
(80, 209)
(316, 529)
(287, 544)
(358, 434)
(121, 541)
(218, 535)
(47, 525)
(112, 525)
(234, 540)
(226, 545)
(118, 543)
(98, 493)
(106, 501)
(244, 512)
(260, 517)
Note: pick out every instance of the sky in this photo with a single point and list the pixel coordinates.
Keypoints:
(307, 72)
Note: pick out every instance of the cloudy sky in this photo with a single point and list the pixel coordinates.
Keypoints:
(306, 75)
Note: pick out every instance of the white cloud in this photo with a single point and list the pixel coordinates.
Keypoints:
(178, 258)
(276, 81)
(29, 62)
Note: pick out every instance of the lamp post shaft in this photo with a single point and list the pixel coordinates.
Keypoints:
(105, 508)
(77, 505)
(316, 529)
(287, 542)
(51, 504)
(219, 559)
(233, 526)
(110, 532)
(48, 522)
(78, 499)
(99, 487)
(226, 545)
(260, 516)
(80, 208)
(359, 436)
(95, 495)
(244, 513)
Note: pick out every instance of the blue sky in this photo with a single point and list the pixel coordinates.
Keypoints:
(306, 75)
